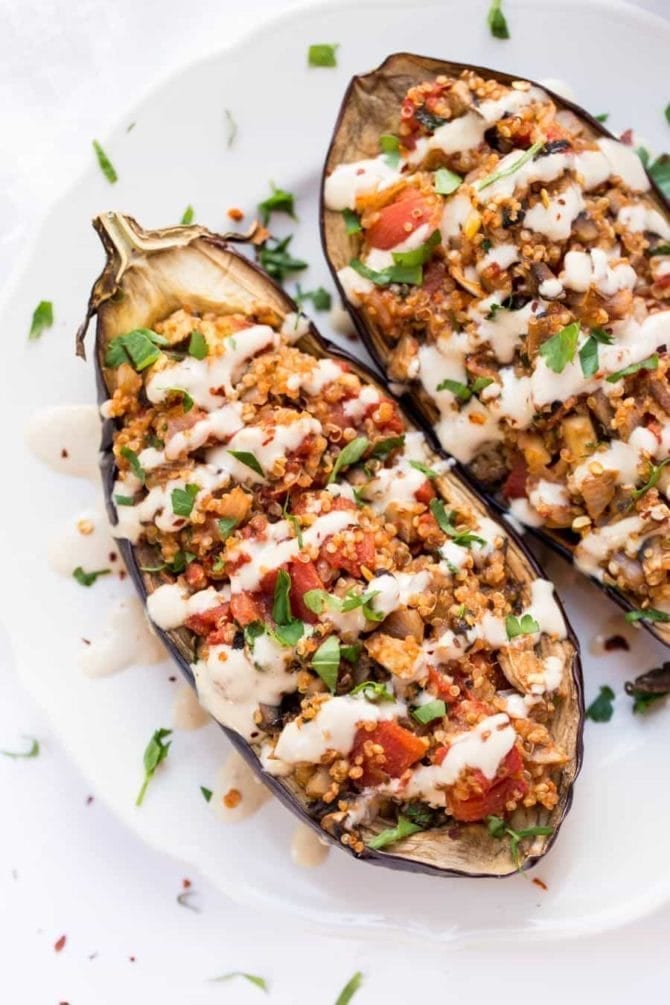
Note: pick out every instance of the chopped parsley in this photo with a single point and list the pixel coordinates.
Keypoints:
(420, 255)
(656, 470)
(431, 710)
(601, 708)
(279, 201)
(352, 221)
(464, 391)
(89, 578)
(647, 614)
(390, 147)
(383, 448)
(350, 989)
(446, 181)
(588, 354)
(373, 691)
(321, 299)
(525, 625)
(186, 399)
(43, 318)
(446, 525)
(139, 347)
(206, 793)
(559, 350)
(428, 119)
(498, 828)
(651, 363)
(322, 54)
(197, 345)
(660, 249)
(106, 165)
(281, 604)
(183, 500)
(259, 982)
(349, 455)
(276, 259)
(33, 750)
(643, 700)
(659, 170)
(411, 275)
(351, 652)
(603, 117)
(497, 21)
(402, 829)
(188, 216)
(226, 525)
(424, 469)
(134, 462)
(249, 459)
(528, 155)
(326, 662)
(155, 752)
(124, 500)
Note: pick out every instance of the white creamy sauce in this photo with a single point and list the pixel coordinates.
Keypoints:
(354, 285)
(187, 712)
(517, 706)
(502, 255)
(456, 211)
(333, 728)
(231, 688)
(294, 326)
(513, 100)
(356, 408)
(156, 506)
(502, 330)
(238, 793)
(539, 169)
(125, 640)
(268, 444)
(643, 218)
(523, 511)
(555, 220)
(170, 605)
(67, 438)
(544, 608)
(220, 424)
(348, 181)
(482, 748)
(324, 372)
(547, 496)
(626, 535)
(86, 541)
(212, 379)
(396, 589)
(307, 849)
(463, 133)
(624, 163)
(618, 457)
(582, 269)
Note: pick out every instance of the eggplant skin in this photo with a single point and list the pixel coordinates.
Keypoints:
(370, 108)
(146, 275)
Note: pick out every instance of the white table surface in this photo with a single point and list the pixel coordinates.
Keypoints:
(68, 69)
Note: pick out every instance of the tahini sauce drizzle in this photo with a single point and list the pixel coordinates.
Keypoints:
(187, 712)
(126, 639)
(86, 541)
(238, 794)
(67, 438)
(307, 848)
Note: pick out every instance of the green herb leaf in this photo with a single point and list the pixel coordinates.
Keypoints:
(226, 525)
(349, 455)
(513, 168)
(318, 600)
(431, 710)
(43, 318)
(588, 354)
(420, 255)
(124, 500)
(647, 614)
(525, 625)
(660, 249)
(411, 275)
(390, 145)
(321, 299)
(352, 221)
(351, 652)
(188, 216)
(559, 350)
(428, 119)
(601, 708)
(183, 500)
(232, 127)
(250, 460)
(603, 117)
(279, 201)
(206, 793)
(276, 259)
(656, 470)
(651, 363)
(446, 525)
(459, 390)
(498, 828)
(289, 634)
(402, 829)
(363, 600)
(660, 172)
(643, 700)
(139, 347)
(322, 55)
(106, 165)
(496, 20)
(281, 604)
(326, 662)
(197, 345)
(186, 399)
(424, 469)
(89, 578)
(350, 989)
(259, 982)
(180, 561)
(373, 691)
(155, 752)
(383, 448)
(253, 631)
(33, 750)
(446, 181)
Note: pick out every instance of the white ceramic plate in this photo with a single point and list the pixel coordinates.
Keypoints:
(606, 868)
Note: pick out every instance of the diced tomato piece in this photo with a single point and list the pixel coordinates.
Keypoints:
(304, 577)
(207, 621)
(425, 493)
(364, 552)
(195, 576)
(341, 503)
(245, 608)
(434, 274)
(401, 750)
(508, 784)
(442, 687)
(399, 219)
(515, 483)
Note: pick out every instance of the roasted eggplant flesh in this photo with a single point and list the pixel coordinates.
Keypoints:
(383, 652)
(508, 261)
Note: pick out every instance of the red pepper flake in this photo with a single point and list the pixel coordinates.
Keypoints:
(89, 800)
(235, 214)
(627, 137)
(122, 573)
(112, 556)
(186, 883)
(615, 642)
(86, 642)
(541, 883)
(172, 679)
(132, 959)
(64, 454)
(60, 943)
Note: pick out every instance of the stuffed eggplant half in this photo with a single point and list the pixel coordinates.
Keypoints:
(508, 261)
(379, 648)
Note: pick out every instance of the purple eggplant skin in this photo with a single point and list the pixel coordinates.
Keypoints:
(367, 87)
(180, 644)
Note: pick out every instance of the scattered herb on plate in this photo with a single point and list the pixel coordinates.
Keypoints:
(497, 21)
(106, 165)
(322, 54)
(188, 216)
(43, 318)
(89, 578)
(33, 750)
(156, 751)
(601, 708)
(350, 989)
